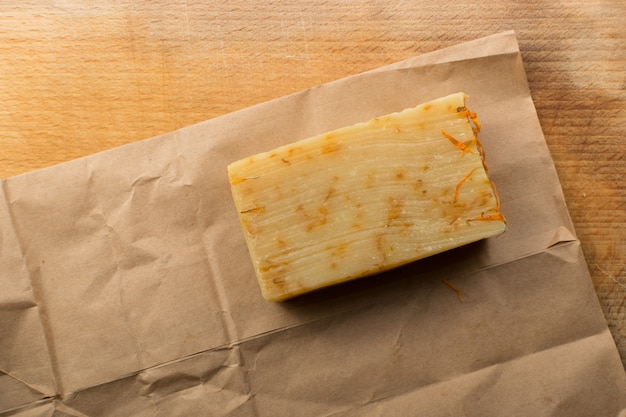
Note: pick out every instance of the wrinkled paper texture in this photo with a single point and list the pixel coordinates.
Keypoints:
(126, 287)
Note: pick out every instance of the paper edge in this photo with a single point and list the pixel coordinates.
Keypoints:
(506, 38)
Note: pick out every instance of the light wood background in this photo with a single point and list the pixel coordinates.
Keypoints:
(78, 77)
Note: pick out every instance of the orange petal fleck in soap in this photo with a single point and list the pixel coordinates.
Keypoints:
(365, 198)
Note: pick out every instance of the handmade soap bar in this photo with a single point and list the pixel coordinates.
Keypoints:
(365, 198)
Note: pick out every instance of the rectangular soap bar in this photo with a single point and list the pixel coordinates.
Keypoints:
(365, 198)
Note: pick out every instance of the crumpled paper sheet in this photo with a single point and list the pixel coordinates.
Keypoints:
(126, 287)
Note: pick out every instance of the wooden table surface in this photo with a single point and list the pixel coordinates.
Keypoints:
(78, 77)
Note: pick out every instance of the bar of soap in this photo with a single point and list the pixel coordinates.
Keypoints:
(365, 198)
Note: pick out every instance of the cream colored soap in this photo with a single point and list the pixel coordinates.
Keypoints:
(365, 198)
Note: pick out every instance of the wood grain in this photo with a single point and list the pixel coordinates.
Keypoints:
(79, 77)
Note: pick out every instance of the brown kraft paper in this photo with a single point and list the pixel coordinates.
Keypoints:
(126, 288)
